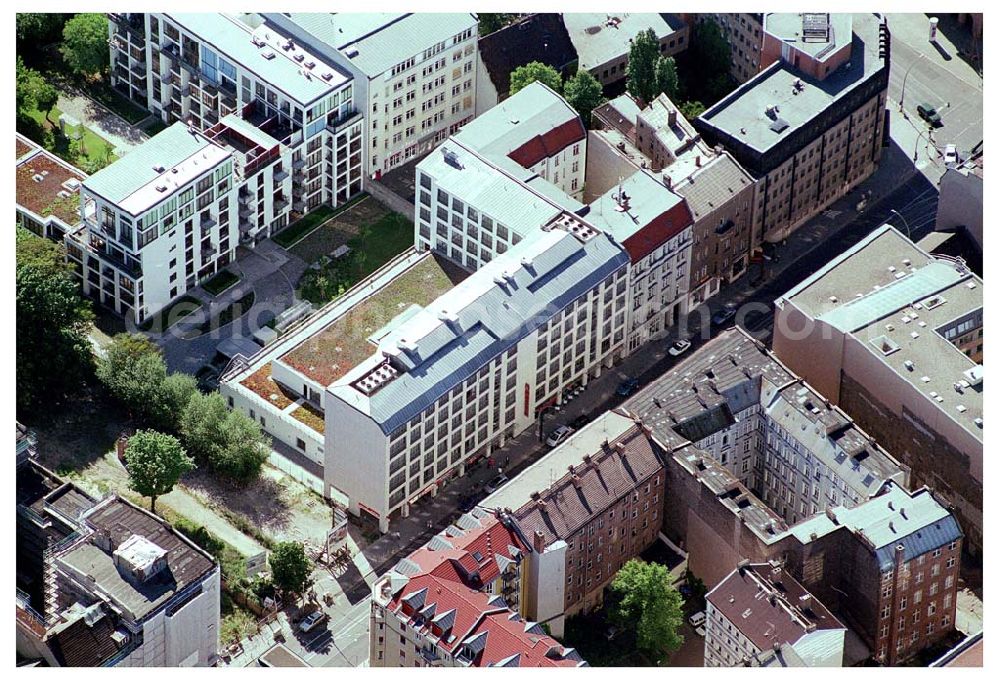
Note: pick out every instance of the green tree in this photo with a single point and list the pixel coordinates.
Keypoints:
(691, 109)
(175, 392)
(32, 91)
(583, 92)
(489, 23)
(53, 354)
(643, 599)
(290, 567)
(155, 461)
(666, 77)
(85, 44)
(709, 49)
(34, 29)
(522, 76)
(642, 58)
(226, 440)
(133, 371)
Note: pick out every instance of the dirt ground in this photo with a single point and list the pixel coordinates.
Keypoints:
(338, 230)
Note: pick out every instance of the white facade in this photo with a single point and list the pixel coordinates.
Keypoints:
(659, 285)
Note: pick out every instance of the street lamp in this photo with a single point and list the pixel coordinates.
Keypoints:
(905, 76)
(904, 223)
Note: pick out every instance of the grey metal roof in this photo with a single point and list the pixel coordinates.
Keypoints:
(709, 188)
(382, 40)
(135, 170)
(490, 319)
(231, 38)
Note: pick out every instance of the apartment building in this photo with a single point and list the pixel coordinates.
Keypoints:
(718, 193)
(47, 191)
(809, 127)
(894, 336)
(202, 67)
(163, 218)
(960, 200)
(452, 381)
(414, 74)
(759, 610)
(744, 31)
(654, 226)
(106, 583)
(602, 40)
(432, 609)
(802, 485)
(586, 522)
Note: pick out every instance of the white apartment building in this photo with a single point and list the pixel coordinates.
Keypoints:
(158, 221)
(202, 67)
(455, 380)
(653, 224)
(760, 609)
(414, 74)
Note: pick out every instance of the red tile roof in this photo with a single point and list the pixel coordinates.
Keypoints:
(658, 231)
(546, 145)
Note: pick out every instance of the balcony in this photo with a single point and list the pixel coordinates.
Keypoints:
(280, 204)
(335, 123)
(138, 68)
(280, 175)
(298, 164)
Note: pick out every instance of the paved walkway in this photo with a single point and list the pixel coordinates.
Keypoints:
(192, 509)
(123, 136)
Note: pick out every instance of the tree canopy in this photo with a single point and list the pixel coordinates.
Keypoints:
(53, 354)
(666, 78)
(32, 91)
(227, 440)
(643, 600)
(489, 23)
(709, 48)
(85, 43)
(155, 461)
(584, 93)
(522, 76)
(642, 58)
(290, 567)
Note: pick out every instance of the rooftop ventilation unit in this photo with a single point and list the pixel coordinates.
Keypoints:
(908, 364)
(351, 52)
(961, 408)
(159, 169)
(778, 126)
(268, 55)
(933, 302)
(979, 422)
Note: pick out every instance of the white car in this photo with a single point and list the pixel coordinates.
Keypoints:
(679, 347)
(950, 155)
(311, 622)
(559, 435)
(697, 619)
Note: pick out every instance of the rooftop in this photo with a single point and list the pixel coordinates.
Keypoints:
(170, 160)
(117, 520)
(708, 187)
(375, 42)
(536, 37)
(619, 113)
(438, 346)
(234, 38)
(743, 115)
(641, 213)
(600, 37)
(46, 185)
(817, 34)
(24, 145)
(608, 460)
(332, 351)
(534, 124)
(915, 520)
(769, 606)
(896, 300)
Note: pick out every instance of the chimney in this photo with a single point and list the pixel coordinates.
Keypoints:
(672, 117)
(900, 556)
(697, 161)
(832, 516)
(668, 181)
(587, 459)
(576, 481)
(538, 542)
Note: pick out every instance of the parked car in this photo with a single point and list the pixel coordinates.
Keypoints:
(469, 502)
(579, 422)
(697, 619)
(559, 435)
(628, 387)
(929, 114)
(496, 483)
(950, 155)
(679, 347)
(722, 316)
(312, 621)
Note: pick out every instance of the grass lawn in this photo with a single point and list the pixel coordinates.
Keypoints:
(300, 228)
(93, 146)
(220, 282)
(104, 93)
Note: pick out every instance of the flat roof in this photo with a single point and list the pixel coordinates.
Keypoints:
(344, 342)
(186, 563)
(743, 113)
(24, 145)
(870, 288)
(132, 183)
(280, 656)
(375, 42)
(41, 178)
(814, 33)
(234, 40)
(600, 37)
